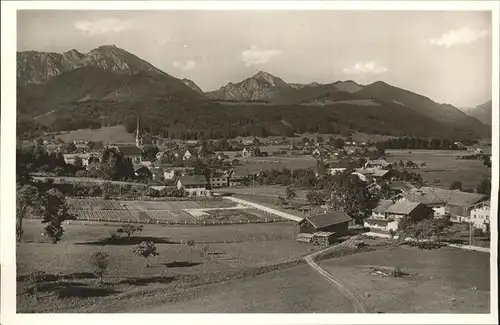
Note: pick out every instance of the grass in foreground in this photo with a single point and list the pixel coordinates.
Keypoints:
(444, 280)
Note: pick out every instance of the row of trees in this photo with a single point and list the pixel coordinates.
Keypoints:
(418, 143)
(484, 186)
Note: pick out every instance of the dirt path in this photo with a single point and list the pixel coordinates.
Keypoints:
(352, 296)
(264, 208)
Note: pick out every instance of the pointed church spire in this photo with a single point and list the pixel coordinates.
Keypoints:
(138, 139)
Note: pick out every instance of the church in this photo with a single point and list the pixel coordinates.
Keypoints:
(129, 150)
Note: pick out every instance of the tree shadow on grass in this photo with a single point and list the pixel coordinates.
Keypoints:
(74, 290)
(55, 277)
(147, 280)
(128, 241)
(181, 264)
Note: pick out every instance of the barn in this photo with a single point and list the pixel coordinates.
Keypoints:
(333, 221)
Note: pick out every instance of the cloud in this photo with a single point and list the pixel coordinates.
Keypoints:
(461, 36)
(370, 67)
(185, 66)
(102, 26)
(254, 56)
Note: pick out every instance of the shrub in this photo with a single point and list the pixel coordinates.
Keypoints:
(100, 261)
(397, 272)
(33, 282)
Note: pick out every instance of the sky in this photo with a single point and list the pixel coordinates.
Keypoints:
(440, 54)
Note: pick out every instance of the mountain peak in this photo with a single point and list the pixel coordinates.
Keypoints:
(263, 74)
(191, 84)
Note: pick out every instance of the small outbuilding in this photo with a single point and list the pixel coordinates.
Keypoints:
(334, 221)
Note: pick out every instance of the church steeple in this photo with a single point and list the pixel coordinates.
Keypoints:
(138, 138)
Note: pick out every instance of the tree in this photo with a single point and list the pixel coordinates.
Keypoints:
(320, 139)
(315, 197)
(484, 186)
(423, 165)
(149, 152)
(146, 249)
(55, 211)
(456, 185)
(129, 229)
(339, 143)
(350, 194)
(320, 166)
(70, 147)
(100, 261)
(290, 193)
(26, 199)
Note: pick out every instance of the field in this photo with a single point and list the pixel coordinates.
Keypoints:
(177, 212)
(442, 166)
(231, 250)
(256, 164)
(445, 280)
(267, 190)
(106, 135)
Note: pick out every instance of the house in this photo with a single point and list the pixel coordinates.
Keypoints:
(133, 152)
(412, 210)
(453, 203)
(219, 181)
(376, 173)
(142, 172)
(172, 172)
(333, 171)
(187, 155)
(86, 158)
(334, 221)
(378, 163)
(247, 152)
(195, 185)
(387, 215)
(480, 216)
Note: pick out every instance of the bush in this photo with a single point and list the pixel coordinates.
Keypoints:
(397, 272)
(33, 282)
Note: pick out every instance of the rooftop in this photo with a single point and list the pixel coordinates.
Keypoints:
(402, 207)
(193, 180)
(323, 220)
(382, 206)
(432, 195)
(129, 150)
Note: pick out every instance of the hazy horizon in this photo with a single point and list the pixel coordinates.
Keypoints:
(442, 55)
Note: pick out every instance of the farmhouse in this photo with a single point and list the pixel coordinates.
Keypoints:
(480, 216)
(86, 158)
(453, 203)
(379, 163)
(335, 221)
(219, 181)
(196, 184)
(387, 215)
(187, 155)
(248, 152)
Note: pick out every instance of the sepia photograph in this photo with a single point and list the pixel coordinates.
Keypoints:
(192, 159)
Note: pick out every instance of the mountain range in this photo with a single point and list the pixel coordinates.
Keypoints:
(73, 89)
(482, 112)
